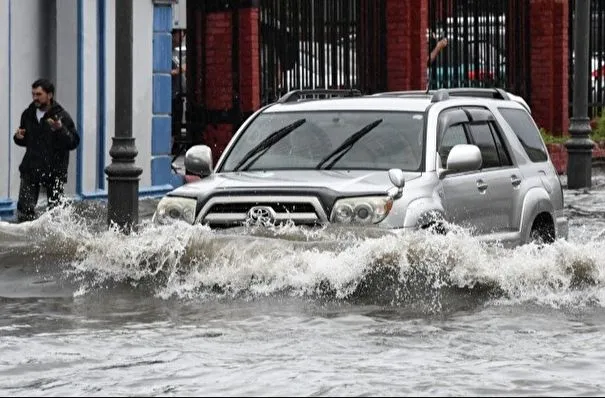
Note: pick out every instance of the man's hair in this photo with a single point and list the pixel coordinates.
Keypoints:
(45, 84)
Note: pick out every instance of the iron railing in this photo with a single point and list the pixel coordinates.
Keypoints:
(310, 44)
(596, 58)
(488, 44)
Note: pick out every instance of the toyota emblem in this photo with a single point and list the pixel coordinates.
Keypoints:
(261, 215)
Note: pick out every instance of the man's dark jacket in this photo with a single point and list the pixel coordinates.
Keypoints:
(47, 153)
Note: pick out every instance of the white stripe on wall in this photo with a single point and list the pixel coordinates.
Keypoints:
(5, 123)
(110, 78)
(90, 97)
(67, 71)
(143, 86)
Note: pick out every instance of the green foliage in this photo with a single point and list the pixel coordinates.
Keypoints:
(598, 133)
(549, 138)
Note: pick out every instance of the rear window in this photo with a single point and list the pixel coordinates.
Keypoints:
(525, 129)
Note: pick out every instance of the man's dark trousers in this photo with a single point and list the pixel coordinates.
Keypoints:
(29, 192)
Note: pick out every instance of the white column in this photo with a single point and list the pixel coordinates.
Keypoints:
(67, 72)
(143, 86)
(90, 96)
(5, 124)
(110, 79)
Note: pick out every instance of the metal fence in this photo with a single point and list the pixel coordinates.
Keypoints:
(488, 44)
(596, 58)
(308, 44)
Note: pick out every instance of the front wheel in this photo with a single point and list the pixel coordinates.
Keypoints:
(541, 235)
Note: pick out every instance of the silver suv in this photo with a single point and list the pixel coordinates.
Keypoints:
(397, 160)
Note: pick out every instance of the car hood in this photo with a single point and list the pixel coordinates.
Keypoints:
(342, 181)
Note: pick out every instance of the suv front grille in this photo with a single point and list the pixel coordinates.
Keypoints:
(277, 207)
(237, 210)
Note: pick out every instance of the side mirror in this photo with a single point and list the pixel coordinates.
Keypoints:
(462, 157)
(398, 179)
(198, 160)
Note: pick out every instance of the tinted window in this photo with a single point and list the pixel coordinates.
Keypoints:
(502, 152)
(454, 135)
(482, 137)
(525, 129)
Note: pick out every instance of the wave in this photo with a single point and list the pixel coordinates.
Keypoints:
(367, 265)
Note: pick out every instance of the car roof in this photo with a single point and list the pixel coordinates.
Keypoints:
(412, 101)
(366, 103)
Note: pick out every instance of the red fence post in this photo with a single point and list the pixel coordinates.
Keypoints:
(550, 64)
(407, 44)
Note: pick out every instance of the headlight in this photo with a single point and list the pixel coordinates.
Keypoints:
(364, 210)
(175, 208)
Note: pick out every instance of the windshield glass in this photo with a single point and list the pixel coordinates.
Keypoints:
(395, 142)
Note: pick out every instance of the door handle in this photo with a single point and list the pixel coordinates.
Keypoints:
(516, 181)
(481, 186)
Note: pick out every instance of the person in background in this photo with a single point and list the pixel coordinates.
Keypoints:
(48, 133)
(440, 45)
(178, 80)
(436, 45)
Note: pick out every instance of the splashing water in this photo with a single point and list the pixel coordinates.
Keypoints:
(185, 261)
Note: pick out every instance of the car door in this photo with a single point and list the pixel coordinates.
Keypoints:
(499, 177)
(462, 199)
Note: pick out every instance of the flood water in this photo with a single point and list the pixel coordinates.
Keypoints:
(183, 310)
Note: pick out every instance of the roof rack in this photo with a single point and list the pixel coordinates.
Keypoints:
(297, 95)
(445, 93)
(493, 93)
(410, 93)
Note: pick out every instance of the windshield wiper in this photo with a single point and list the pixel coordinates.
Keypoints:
(267, 143)
(346, 146)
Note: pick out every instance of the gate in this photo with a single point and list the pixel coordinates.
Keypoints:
(308, 44)
(596, 57)
(488, 44)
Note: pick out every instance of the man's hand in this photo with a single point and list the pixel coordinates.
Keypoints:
(441, 44)
(55, 124)
(20, 134)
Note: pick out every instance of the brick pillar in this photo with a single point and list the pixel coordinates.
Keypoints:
(549, 64)
(249, 60)
(407, 44)
(231, 77)
(218, 80)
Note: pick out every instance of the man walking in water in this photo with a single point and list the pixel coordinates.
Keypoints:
(48, 133)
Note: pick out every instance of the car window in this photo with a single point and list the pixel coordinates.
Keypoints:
(505, 159)
(397, 141)
(527, 132)
(453, 136)
(483, 138)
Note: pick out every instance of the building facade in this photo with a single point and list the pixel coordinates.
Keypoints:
(72, 42)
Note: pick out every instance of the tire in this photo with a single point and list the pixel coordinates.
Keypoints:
(541, 235)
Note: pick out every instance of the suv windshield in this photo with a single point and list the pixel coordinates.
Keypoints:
(395, 142)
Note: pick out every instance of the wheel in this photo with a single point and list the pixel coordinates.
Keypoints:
(541, 235)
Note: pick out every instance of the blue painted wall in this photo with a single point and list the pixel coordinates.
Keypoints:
(161, 135)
